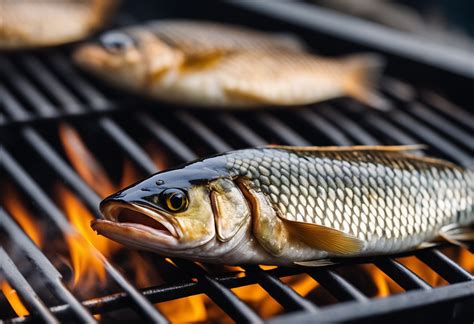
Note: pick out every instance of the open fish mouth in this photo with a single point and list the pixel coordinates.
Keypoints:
(135, 221)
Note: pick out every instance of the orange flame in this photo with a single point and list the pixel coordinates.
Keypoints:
(13, 204)
(184, 310)
(87, 267)
(13, 299)
(199, 307)
(84, 161)
(129, 175)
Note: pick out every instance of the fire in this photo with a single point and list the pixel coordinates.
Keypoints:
(13, 299)
(13, 204)
(84, 162)
(87, 267)
(184, 310)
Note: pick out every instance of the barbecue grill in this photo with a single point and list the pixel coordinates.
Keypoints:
(44, 97)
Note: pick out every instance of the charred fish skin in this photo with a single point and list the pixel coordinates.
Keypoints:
(286, 205)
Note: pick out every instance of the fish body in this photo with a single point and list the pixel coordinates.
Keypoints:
(208, 64)
(30, 23)
(286, 205)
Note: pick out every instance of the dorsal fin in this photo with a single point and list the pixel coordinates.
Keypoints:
(403, 150)
(378, 148)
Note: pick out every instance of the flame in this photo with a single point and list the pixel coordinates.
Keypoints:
(465, 259)
(185, 310)
(13, 299)
(87, 267)
(84, 161)
(13, 204)
(129, 175)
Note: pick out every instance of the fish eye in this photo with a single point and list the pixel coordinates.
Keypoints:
(175, 199)
(116, 41)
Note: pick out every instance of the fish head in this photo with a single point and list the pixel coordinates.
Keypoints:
(132, 59)
(174, 213)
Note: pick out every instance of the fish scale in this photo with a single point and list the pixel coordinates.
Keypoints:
(378, 196)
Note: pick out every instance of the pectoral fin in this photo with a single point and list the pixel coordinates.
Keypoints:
(325, 238)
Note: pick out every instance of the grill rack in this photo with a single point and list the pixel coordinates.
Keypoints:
(335, 120)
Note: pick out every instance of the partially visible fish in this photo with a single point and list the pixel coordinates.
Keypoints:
(287, 205)
(209, 64)
(38, 23)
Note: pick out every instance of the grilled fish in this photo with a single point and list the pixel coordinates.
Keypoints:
(38, 23)
(284, 205)
(209, 64)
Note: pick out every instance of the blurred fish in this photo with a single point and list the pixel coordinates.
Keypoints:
(283, 205)
(38, 23)
(209, 64)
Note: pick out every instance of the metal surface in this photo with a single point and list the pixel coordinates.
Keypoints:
(41, 89)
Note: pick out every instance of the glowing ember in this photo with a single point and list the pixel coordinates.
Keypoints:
(13, 299)
(13, 204)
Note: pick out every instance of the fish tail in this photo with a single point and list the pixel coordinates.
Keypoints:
(364, 73)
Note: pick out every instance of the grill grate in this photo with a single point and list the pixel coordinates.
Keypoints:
(39, 89)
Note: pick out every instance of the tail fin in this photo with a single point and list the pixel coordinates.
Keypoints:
(364, 73)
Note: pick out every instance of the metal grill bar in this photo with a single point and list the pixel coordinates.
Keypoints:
(440, 123)
(390, 130)
(431, 137)
(203, 131)
(223, 297)
(356, 311)
(336, 285)
(359, 134)
(241, 130)
(35, 193)
(218, 293)
(448, 108)
(444, 266)
(98, 102)
(405, 277)
(320, 123)
(48, 271)
(24, 289)
(282, 293)
(283, 132)
(216, 287)
(163, 135)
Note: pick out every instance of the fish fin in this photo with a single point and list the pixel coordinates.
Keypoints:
(325, 238)
(316, 263)
(426, 245)
(380, 148)
(364, 72)
(455, 234)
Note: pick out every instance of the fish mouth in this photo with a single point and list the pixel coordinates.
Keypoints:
(132, 222)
